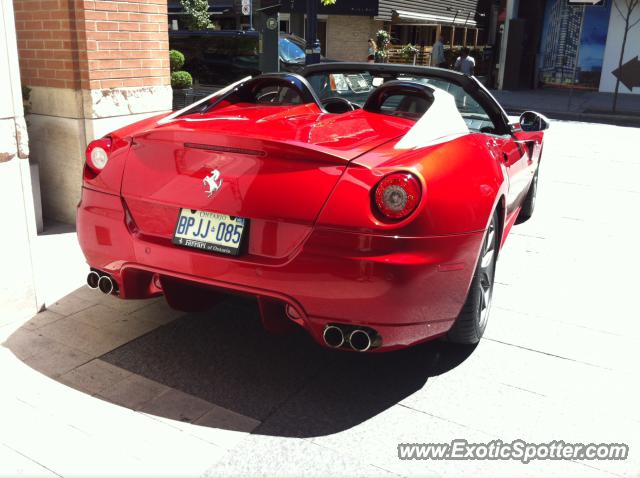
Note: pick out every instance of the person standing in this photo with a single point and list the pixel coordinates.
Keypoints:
(371, 56)
(465, 63)
(437, 53)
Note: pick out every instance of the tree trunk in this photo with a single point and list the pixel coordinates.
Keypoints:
(624, 44)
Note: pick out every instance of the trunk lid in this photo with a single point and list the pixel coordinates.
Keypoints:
(276, 166)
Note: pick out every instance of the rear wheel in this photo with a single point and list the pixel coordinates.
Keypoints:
(529, 203)
(472, 321)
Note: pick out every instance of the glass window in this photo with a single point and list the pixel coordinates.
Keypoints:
(566, 57)
(473, 114)
(277, 95)
(405, 106)
(290, 52)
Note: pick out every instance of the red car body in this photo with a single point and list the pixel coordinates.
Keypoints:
(317, 252)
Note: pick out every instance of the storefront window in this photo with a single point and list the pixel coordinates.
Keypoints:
(568, 56)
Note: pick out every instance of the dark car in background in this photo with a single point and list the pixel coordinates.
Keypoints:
(217, 58)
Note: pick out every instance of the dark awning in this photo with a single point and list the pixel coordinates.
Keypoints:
(216, 7)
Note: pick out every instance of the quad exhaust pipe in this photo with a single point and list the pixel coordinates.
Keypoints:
(359, 340)
(93, 279)
(106, 285)
(102, 282)
(333, 336)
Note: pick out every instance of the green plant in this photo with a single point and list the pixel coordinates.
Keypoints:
(26, 100)
(176, 60)
(382, 43)
(181, 80)
(197, 14)
(409, 51)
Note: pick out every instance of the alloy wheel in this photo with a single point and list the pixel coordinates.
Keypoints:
(486, 272)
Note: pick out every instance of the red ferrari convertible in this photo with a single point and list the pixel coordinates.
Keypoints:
(366, 203)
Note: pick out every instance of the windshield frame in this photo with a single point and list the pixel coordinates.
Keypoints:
(469, 84)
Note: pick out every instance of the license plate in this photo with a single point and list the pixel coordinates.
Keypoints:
(209, 231)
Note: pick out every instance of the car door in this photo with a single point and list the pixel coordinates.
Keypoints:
(518, 162)
(511, 152)
(518, 150)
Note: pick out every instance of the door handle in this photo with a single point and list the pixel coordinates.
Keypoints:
(505, 157)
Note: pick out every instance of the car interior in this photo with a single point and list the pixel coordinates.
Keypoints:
(405, 95)
(356, 87)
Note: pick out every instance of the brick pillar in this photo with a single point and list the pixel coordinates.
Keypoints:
(92, 66)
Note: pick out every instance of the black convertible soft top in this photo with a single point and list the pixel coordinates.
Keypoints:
(469, 84)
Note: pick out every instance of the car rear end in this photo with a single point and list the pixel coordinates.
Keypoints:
(323, 229)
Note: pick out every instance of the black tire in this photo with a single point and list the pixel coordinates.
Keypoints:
(529, 203)
(472, 321)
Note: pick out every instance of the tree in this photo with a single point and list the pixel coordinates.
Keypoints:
(626, 12)
(197, 14)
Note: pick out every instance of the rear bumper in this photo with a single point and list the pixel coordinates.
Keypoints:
(409, 289)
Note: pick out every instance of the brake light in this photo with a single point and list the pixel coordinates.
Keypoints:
(97, 153)
(397, 195)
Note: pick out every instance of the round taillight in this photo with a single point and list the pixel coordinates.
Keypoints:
(98, 154)
(397, 195)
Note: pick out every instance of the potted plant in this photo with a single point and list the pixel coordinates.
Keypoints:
(410, 52)
(181, 81)
(382, 43)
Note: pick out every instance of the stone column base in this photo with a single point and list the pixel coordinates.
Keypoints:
(61, 124)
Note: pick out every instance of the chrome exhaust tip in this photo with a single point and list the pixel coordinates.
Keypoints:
(93, 278)
(360, 340)
(105, 284)
(333, 336)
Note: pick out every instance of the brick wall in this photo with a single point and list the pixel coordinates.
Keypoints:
(347, 37)
(92, 44)
(127, 44)
(48, 43)
(93, 66)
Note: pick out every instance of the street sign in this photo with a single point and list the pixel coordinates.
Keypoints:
(586, 2)
(272, 23)
(629, 73)
(247, 10)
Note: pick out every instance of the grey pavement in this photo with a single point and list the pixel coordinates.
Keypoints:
(98, 386)
(581, 105)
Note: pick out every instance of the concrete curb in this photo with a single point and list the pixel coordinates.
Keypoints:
(605, 118)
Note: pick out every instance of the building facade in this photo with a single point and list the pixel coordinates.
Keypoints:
(345, 27)
(579, 46)
(90, 67)
(613, 49)
(560, 49)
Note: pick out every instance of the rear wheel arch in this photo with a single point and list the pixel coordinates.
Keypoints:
(470, 324)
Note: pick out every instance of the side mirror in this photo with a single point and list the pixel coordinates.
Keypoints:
(532, 121)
